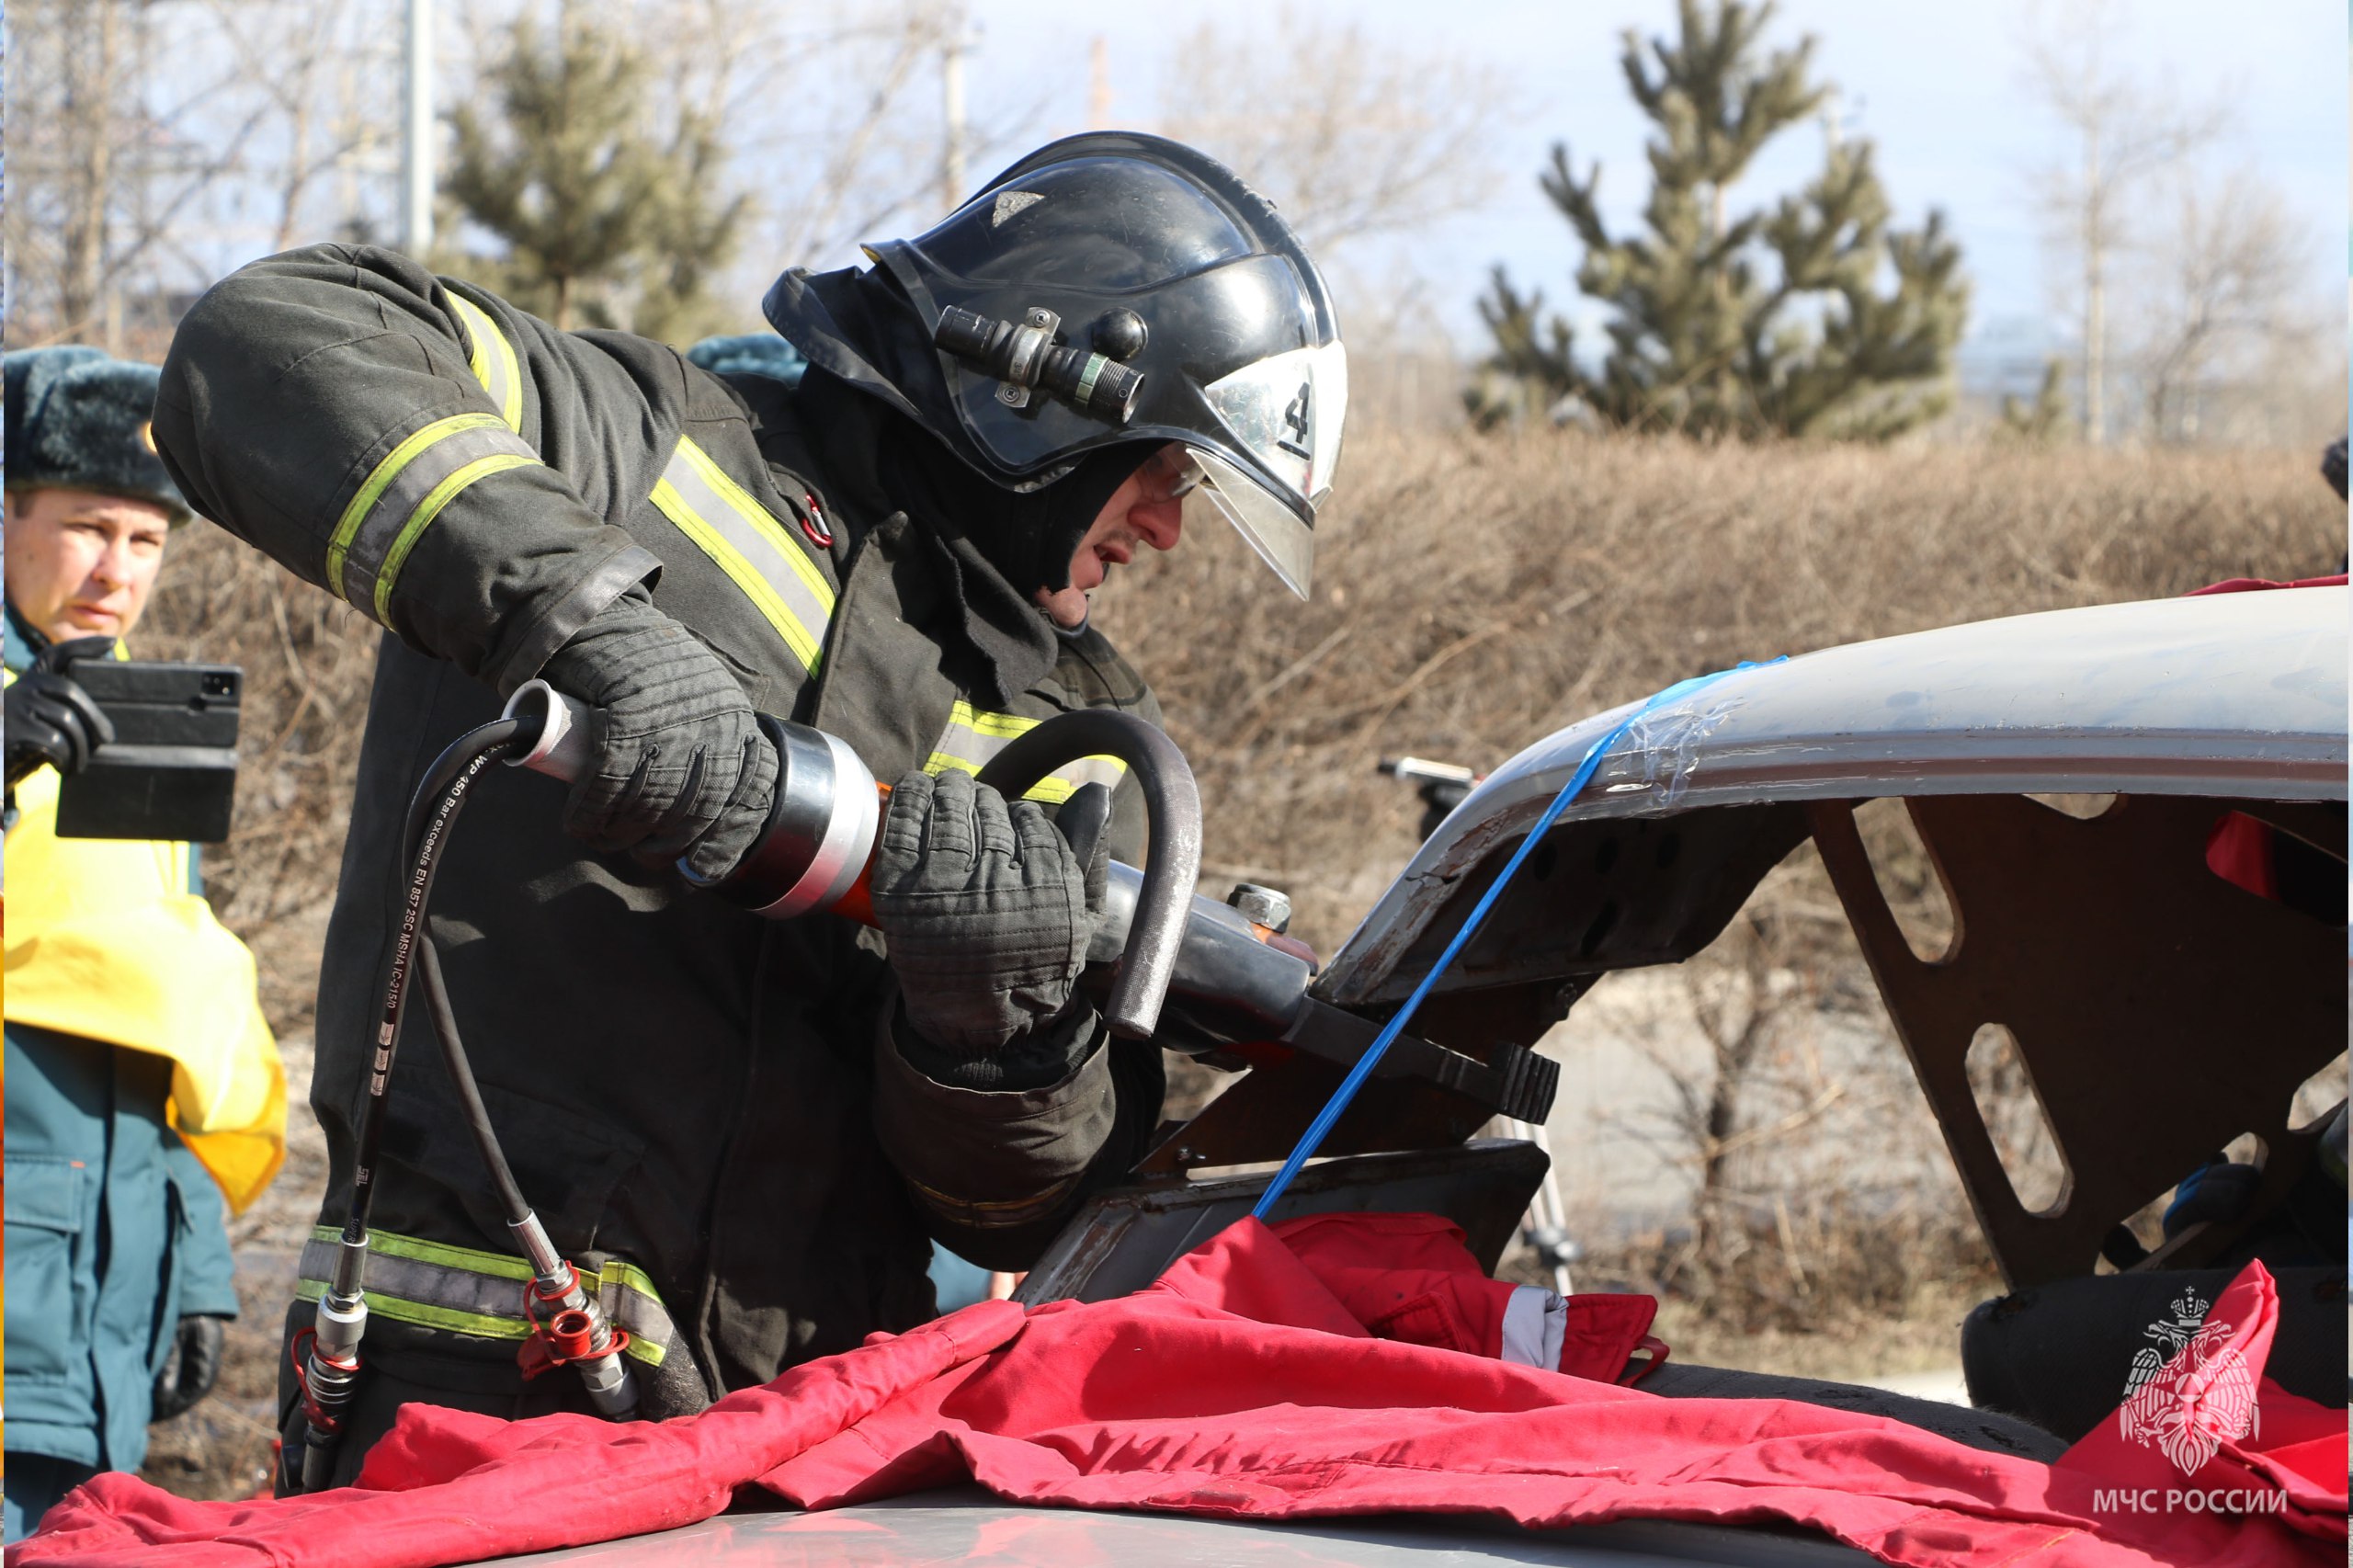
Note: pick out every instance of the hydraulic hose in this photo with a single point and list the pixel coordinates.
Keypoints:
(329, 1371)
(575, 1318)
(329, 1374)
(462, 1076)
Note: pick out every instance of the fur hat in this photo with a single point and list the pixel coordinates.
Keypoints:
(80, 420)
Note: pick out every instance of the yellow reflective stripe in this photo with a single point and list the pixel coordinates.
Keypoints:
(974, 736)
(629, 1277)
(499, 1265)
(430, 508)
(616, 1283)
(427, 1315)
(750, 546)
(399, 458)
(424, 1313)
(492, 359)
(998, 726)
(752, 512)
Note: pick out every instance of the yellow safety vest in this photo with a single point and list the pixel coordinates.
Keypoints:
(105, 942)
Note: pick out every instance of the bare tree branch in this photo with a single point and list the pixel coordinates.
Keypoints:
(2220, 277)
(1351, 138)
(2123, 131)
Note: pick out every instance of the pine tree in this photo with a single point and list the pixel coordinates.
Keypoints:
(596, 210)
(1814, 317)
(2045, 420)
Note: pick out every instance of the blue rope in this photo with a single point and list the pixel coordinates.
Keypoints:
(1321, 1126)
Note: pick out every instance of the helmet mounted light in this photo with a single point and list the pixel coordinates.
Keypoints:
(1028, 356)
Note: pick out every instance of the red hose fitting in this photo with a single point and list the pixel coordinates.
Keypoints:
(569, 1333)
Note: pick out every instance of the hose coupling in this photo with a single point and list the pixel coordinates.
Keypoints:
(570, 1328)
(326, 1366)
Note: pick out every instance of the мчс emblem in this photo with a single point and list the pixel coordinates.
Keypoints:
(2189, 1389)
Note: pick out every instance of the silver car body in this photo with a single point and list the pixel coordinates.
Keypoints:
(2238, 694)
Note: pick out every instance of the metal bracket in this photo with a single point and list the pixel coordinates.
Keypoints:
(1030, 341)
(1519, 1083)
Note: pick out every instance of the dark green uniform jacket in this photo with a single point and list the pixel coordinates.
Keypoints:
(114, 1232)
(703, 1104)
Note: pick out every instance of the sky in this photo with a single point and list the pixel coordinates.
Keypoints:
(1937, 86)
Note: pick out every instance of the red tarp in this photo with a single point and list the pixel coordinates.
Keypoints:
(1241, 1386)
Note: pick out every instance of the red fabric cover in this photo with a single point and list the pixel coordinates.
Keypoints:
(1404, 1276)
(446, 1486)
(2238, 850)
(2254, 585)
(1410, 1277)
(1168, 1401)
(2211, 1421)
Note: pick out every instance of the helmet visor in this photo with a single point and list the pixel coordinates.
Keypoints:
(1273, 529)
(1286, 411)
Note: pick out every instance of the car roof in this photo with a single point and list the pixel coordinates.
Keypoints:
(964, 1524)
(2232, 694)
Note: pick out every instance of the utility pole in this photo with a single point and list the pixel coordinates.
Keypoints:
(952, 188)
(417, 135)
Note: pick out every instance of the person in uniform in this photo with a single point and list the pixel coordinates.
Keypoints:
(143, 1082)
(747, 1133)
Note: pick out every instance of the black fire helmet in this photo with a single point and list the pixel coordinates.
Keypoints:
(1110, 288)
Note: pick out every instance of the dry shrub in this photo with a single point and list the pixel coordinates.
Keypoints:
(1812, 1261)
(1830, 1287)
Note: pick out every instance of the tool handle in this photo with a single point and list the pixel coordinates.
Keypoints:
(1172, 805)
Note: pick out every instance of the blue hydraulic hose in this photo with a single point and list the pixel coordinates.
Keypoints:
(1318, 1129)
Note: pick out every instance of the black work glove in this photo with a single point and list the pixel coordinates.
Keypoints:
(191, 1368)
(679, 771)
(987, 909)
(49, 718)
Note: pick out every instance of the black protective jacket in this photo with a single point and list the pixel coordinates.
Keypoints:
(683, 1090)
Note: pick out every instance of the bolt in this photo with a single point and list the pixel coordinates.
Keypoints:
(1262, 905)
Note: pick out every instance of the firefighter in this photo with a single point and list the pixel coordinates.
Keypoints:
(749, 1132)
(143, 1082)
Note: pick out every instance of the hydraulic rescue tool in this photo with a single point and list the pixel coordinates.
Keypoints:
(1212, 969)
(1222, 977)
